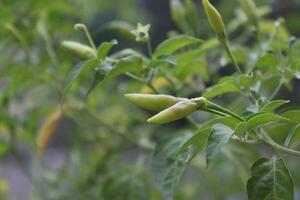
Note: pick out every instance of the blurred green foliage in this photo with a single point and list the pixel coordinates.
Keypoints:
(106, 146)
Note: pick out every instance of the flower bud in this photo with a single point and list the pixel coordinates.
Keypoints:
(80, 50)
(79, 26)
(214, 19)
(175, 112)
(151, 101)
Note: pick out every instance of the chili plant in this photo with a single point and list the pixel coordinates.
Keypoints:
(216, 101)
(270, 177)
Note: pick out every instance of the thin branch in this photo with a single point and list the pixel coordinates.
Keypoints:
(269, 141)
(87, 34)
(229, 52)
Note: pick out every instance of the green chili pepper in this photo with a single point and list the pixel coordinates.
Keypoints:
(215, 19)
(80, 50)
(175, 112)
(152, 102)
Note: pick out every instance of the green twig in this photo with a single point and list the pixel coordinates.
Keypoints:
(135, 77)
(229, 52)
(149, 47)
(269, 141)
(214, 112)
(192, 122)
(277, 89)
(218, 108)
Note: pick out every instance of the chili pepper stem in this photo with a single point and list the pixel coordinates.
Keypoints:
(214, 112)
(224, 42)
(220, 109)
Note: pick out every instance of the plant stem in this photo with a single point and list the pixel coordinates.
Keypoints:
(229, 52)
(268, 140)
(214, 112)
(87, 34)
(192, 122)
(135, 77)
(149, 47)
(153, 88)
(277, 89)
(216, 107)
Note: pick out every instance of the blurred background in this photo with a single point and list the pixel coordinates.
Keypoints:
(76, 164)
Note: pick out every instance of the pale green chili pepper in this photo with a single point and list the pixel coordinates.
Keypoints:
(153, 102)
(175, 112)
(215, 19)
(80, 50)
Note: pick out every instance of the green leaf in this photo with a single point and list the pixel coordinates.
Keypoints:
(77, 69)
(293, 115)
(196, 66)
(266, 62)
(245, 80)
(126, 53)
(173, 44)
(167, 167)
(99, 76)
(129, 64)
(198, 141)
(163, 60)
(106, 71)
(219, 137)
(227, 120)
(240, 128)
(252, 109)
(293, 135)
(187, 56)
(104, 48)
(270, 180)
(273, 105)
(263, 118)
(227, 86)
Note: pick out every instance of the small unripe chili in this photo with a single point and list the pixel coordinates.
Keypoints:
(152, 102)
(175, 112)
